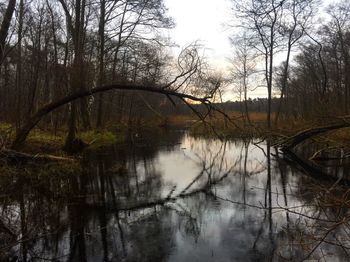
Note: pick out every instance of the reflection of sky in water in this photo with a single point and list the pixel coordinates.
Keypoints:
(227, 231)
(229, 221)
(180, 166)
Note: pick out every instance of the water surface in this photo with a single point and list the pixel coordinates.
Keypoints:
(169, 197)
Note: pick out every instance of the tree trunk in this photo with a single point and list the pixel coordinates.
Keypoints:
(19, 67)
(5, 25)
(284, 83)
(101, 63)
(35, 118)
(308, 133)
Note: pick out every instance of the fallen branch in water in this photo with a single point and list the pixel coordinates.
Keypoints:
(163, 201)
(317, 156)
(16, 156)
(307, 165)
(311, 168)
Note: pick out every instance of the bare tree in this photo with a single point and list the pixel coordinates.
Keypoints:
(121, 25)
(5, 25)
(189, 71)
(244, 67)
(76, 28)
(19, 65)
(339, 27)
(263, 20)
(296, 19)
(101, 33)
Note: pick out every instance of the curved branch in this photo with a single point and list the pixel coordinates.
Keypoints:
(298, 138)
(34, 119)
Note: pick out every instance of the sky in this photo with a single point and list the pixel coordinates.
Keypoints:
(210, 22)
(204, 20)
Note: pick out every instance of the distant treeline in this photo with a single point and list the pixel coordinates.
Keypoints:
(49, 51)
(254, 105)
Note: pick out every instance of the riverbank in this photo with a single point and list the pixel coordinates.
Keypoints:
(49, 142)
(165, 188)
(240, 127)
(46, 141)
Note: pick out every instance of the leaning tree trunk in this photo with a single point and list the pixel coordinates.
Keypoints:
(300, 137)
(32, 121)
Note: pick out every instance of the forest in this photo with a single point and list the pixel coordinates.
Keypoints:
(112, 134)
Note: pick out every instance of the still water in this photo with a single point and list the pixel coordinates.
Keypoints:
(170, 197)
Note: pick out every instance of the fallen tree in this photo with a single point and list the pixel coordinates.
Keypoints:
(308, 165)
(31, 122)
(14, 156)
(293, 141)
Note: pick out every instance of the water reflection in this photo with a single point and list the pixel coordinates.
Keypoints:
(174, 198)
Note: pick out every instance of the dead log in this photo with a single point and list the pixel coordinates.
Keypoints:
(307, 165)
(15, 156)
(300, 137)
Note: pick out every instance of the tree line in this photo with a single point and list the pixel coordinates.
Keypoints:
(53, 50)
(73, 63)
(301, 59)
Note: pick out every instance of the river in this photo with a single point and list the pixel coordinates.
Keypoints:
(170, 197)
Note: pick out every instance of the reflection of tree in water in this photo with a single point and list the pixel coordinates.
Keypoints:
(75, 217)
(255, 233)
(151, 238)
(114, 208)
(320, 226)
(317, 228)
(247, 234)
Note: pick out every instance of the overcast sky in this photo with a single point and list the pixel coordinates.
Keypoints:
(208, 21)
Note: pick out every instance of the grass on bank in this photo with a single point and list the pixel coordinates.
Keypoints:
(217, 125)
(100, 138)
(45, 141)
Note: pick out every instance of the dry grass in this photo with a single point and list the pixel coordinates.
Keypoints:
(218, 125)
(181, 119)
(44, 141)
(340, 138)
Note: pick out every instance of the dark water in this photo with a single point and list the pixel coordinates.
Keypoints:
(171, 197)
